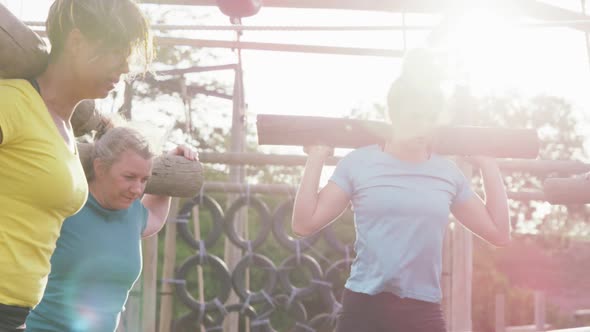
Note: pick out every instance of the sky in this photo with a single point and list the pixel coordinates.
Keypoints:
(528, 60)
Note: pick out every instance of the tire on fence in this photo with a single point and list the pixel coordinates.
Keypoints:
(263, 214)
(190, 322)
(330, 298)
(278, 229)
(335, 243)
(239, 278)
(323, 323)
(221, 272)
(216, 213)
(304, 261)
(294, 308)
(241, 308)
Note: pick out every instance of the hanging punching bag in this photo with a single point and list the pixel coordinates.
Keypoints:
(239, 8)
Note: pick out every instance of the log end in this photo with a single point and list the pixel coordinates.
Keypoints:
(175, 176)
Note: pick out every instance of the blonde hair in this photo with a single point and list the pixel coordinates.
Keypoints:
(116, 24)
(110, 146)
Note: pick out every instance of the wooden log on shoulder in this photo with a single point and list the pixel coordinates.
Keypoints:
(567, 190)
(349, 133)
(87, 118)
(171, 175)
(23, 54)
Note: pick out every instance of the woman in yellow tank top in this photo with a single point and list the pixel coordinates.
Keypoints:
(41, 179)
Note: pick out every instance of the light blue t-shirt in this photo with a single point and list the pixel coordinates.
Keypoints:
(401, 213)
(96, 261)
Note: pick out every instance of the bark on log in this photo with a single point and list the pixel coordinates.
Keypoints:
(87, 118)
(23, 54)
(171, 175)
(349, 133)
(567, 190)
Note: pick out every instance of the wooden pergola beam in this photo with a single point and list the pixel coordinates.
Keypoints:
(531, 8)
(279, 47)
(287, 189)
(533, 166)
(196, 69)
(418, 6)
(544, 11)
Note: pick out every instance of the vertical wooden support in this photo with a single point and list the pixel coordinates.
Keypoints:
(586, 35)
(233, 254)
(167, 296)
(197, 233)
(539, 311)
(125, 109)
(447, 277)
(131, 318)
(460, 265)
(500, 310)
(461, 283)
(150, 283)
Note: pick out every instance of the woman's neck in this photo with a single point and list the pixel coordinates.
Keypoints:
(94, 190)
(407, 152)
(57, 90)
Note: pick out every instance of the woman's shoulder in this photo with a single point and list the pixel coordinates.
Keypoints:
(450, 165)
(139, 208)
(360, 155)
(363, 151)
(14, 83)
(15, 89)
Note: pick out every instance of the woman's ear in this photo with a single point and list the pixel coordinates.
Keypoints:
(74, 41)
(99, 167)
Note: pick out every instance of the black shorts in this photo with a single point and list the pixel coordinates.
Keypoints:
(12, 318)
(386, 312)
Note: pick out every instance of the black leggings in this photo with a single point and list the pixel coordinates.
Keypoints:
(386, 312)
(12, 318)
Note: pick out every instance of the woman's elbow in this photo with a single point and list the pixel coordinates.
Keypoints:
(300, 232)
(300, 229)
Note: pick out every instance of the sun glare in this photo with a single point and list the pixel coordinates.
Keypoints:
(479, 47)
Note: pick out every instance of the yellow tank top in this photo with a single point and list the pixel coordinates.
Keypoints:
(41, 183)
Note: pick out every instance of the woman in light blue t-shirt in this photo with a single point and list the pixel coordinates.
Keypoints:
(98, 254)
(402, 196)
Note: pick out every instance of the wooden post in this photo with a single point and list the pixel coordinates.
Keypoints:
(150, 283)
(539, 311)
(125, 109)
(447, 276)
(167, 296)
(462, 272)
(500, 313)
(201, 281)
(131, 317)
(233, 254)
